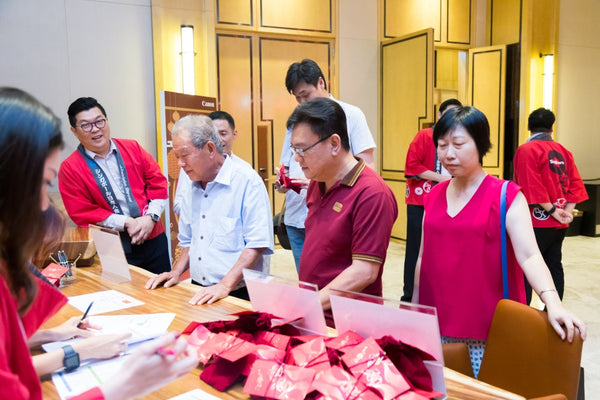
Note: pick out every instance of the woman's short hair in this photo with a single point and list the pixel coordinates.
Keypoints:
(474, 122)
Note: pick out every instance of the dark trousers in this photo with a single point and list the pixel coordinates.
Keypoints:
(549, 241)
(152, 255)
(241, 293)
(414, 224)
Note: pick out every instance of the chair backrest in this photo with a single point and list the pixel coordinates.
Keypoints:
(525, 355)
(456, 357)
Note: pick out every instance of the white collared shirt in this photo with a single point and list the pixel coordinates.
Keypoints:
(233, 213)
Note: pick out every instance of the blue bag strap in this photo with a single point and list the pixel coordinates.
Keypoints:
(503, 238)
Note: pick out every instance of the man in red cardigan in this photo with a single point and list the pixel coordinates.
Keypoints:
(117, 184)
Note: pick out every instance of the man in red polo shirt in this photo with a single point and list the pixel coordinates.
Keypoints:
(351, 210)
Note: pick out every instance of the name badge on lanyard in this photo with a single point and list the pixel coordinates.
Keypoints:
(105, 186)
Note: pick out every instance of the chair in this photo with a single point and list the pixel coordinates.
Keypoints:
(525, 355)
(456, 357)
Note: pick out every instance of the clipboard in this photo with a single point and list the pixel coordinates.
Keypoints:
(115, 267)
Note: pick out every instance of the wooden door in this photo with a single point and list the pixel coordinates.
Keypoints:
(406, 105)
(251, 72)
(486, 91)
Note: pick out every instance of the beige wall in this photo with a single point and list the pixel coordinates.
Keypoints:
(359, 58)
(59, 50)
(578, 88)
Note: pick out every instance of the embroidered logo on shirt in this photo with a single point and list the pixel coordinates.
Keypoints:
(337, 207)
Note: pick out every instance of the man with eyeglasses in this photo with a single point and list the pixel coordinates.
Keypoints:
(351, 210)
(305, 81)
(117, 184)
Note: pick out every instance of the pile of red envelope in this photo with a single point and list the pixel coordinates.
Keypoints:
(277, 362)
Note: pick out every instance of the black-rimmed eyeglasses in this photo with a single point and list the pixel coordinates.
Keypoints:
(301, 152)
(89, 126)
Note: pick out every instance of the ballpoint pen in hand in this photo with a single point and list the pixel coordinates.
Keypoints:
(85, 315)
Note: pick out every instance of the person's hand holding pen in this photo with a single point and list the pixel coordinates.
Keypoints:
(151, 366)
(85, 314)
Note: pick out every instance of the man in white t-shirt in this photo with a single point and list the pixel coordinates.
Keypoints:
(305, 81)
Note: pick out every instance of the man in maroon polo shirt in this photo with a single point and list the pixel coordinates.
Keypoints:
(351, 210)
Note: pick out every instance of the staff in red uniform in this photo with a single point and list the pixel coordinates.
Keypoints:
(547, 173)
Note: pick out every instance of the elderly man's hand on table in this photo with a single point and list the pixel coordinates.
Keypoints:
(210, 294)
(169, 279)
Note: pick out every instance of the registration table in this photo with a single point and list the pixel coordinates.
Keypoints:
(175, 300)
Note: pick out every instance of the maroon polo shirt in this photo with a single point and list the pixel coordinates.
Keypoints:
(352, 220)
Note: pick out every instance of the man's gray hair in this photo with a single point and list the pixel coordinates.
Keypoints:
(201, 130)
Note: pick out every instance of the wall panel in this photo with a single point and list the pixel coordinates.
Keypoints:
(303, 15)
(234, 76)
(403, 17)
(505, 21)
(235, 12)
(407, 78)
(458, 21)
(487, 73)
(275, 57)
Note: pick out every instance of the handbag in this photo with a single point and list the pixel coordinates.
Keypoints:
(280, 230)
(503, 239)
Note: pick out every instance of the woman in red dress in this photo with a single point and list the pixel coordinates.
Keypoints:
(459, 266)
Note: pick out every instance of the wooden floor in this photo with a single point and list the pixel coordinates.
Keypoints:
(581, 261)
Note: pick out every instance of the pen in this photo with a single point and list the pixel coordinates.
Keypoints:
(85, 314)
(165, 350)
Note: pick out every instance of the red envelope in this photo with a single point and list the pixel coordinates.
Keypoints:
(311, 354)
(273, 339)
(287, 182)
(278, 381)
(369, 364)
(53, 272)
(337, 384)
(232, 348)
(263, 352)
(223, 345)
(347, 339)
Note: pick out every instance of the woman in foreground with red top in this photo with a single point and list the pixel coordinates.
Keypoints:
(30, 144)
(459, 267)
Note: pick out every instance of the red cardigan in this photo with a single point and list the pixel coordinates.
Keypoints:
(84, 201)
(18, 379)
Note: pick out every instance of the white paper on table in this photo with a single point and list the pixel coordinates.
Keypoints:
(141, 326)
(86, 377)
(196, 394)
(104, 301)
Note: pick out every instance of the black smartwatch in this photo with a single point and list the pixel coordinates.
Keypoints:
(154, 217)
(71, 360)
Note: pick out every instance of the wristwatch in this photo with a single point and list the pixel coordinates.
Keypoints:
(71, 360)
(154, 217)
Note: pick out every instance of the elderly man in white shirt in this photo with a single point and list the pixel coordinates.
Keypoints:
(225, 224)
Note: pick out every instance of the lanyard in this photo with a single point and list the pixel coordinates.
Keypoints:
(105, 186)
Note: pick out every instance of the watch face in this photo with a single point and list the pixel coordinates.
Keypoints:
(154, 217)
(71, 360)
